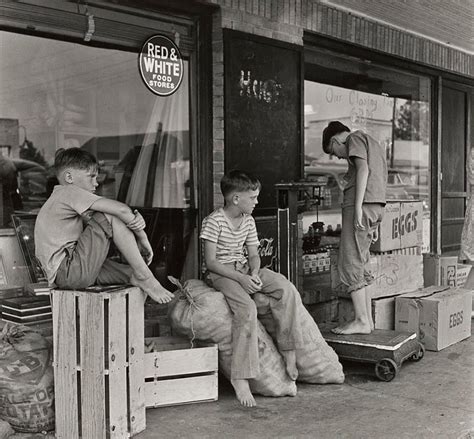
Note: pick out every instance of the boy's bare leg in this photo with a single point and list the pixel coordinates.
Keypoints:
(243, 393)
(360, 324)
(142, 276)
(289, 357)
(368, 304)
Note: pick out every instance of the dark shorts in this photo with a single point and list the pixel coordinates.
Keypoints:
(87, 264)
(354, 247)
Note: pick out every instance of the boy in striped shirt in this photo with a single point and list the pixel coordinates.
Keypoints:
(226, 233)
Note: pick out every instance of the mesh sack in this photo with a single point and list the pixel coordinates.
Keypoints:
(317, 362)
(201, 313)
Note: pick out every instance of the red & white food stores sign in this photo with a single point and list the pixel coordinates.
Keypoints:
(161, 65)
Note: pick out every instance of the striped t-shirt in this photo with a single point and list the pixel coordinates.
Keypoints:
(229, 241)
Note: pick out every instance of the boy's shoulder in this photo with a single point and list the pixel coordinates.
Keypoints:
(216, 214)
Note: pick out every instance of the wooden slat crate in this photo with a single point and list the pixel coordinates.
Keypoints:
(98, 340)
(178, 374)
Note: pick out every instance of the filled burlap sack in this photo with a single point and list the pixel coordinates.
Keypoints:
(5, 430)
(317, 362)
(200, 312)
(26, 380)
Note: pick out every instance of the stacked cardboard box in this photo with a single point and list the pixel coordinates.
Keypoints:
(402, 226)
(444, 270)
(439, 314)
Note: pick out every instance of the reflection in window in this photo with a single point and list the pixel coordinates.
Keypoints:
(56, 94)
(401, 123)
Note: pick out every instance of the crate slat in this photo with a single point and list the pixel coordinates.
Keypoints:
(91, 318)
(181, 390)
(117, 353)
(180, 362)
(65, 364)
(136, 333)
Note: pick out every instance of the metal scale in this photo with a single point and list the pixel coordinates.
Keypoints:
(386, 350)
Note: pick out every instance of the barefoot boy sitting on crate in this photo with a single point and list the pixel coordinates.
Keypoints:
(226, 233)
(74, 228)
(362, 212)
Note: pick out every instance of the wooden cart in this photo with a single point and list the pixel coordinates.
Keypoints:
(386, 349)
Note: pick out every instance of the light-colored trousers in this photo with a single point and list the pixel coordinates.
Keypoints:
(289, 336)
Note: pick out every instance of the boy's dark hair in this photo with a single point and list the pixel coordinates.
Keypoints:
(75, 158)
(333, 128)
(238, 181)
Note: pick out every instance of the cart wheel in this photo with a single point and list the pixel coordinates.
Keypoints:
(386, 369)
(418, 355)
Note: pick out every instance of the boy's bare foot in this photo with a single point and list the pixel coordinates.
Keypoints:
(153, 288)
(353, 327)
(243, 393)
(289, 358)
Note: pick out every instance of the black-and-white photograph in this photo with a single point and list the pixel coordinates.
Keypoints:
(237, 219)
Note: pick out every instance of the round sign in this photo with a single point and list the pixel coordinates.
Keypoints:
(161, 65)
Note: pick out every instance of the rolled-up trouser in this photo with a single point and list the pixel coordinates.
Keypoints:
(86, 263)
(354, 246)
(289, 336)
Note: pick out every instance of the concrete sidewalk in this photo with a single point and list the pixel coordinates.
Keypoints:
(432, 398)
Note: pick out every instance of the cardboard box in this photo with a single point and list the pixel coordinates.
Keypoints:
(440, 315)
(383, 312)
(388, 239)
(394, 273)
(401, 227)
(462, 273)
(440, 270)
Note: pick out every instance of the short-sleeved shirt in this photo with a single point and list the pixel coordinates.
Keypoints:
(365, 147)
(59, 225)
(230, 241)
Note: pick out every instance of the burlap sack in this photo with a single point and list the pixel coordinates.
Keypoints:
(26, 380)
(201, 313)
(317, 362)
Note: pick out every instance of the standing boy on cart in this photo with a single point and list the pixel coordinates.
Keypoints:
(362, 211)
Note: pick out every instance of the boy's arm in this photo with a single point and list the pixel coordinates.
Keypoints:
(115, 208)
(362, 174)
(254, 263)
(254, 259)
(215, 266)
(124, 213)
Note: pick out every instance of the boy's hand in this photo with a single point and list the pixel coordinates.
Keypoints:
(375, 235)
(256, 279)
(358, 219)
(248, 284)
(145, 249)
(137, 223)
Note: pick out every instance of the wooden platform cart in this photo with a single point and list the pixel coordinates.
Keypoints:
(386, 349)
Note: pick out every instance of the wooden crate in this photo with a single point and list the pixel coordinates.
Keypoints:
(178, 374)
(98, 340)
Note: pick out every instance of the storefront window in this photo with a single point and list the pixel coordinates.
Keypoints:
(56, 94)
(60, 95)
(391, 106)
